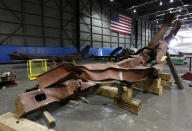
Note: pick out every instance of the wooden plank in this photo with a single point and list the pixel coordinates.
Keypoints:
(112, 91)
(50, 120)
(165, 76)
(9, 122)
(166, 83)
(174, 72)
(84, 99)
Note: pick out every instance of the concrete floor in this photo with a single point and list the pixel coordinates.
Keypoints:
(170, 112)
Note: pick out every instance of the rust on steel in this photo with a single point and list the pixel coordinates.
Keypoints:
(53, 85)
(94, 72)
(99, 72)
(167, 22)
(146, 54)
(63, 72)
(35, 100)
(75, 56)
(162, 48)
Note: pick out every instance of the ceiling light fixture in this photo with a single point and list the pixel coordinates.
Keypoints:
(171, 1)
(111, 0)
(134, 11)
(161, 3)
(180, 10)
(157, 21)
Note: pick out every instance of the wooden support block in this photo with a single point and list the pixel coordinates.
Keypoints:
(83, 99)
(132, 105)
(50, 120)
(75, 103)
(9, 122)
(112, 91)
(157, 91)
(74, 61)
(166, 83)
(53, 64)
(150, 85)
(125, 101)
(165, 76)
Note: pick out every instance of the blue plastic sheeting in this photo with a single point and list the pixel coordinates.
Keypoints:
(48, 51)
(96, 51)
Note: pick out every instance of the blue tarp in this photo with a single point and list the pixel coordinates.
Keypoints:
(48, 51)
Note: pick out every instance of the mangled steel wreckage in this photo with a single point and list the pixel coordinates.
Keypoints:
(73, 56)
(69, 81)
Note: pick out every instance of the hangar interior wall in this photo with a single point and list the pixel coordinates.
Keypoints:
(38, 22)
(62, 24)
(95, 27)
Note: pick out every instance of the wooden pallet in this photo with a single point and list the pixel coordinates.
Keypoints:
(9, 122)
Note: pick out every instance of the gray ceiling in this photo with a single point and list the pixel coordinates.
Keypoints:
(152, 10)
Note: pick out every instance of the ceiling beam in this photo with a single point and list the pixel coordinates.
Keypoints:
(160, 12)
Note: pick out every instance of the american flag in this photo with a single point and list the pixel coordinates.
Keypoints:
(120, 23)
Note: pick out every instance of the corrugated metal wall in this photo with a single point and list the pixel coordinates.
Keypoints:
(38, 22)
(54, 23)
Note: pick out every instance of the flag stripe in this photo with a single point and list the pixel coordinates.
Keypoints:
(120, 24)
(127, 33)
(125, 23)
(118, 29)
(122, 28)
(121, 18)
(126, 17)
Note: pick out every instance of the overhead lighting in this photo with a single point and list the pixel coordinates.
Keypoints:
(161, 3)
(134, 11)
(157, 21)
(170, 11)
(111, 0)
(171, 1)
(180, 10)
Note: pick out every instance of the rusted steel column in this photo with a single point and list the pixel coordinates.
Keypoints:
(167, 22)
(174, 72)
